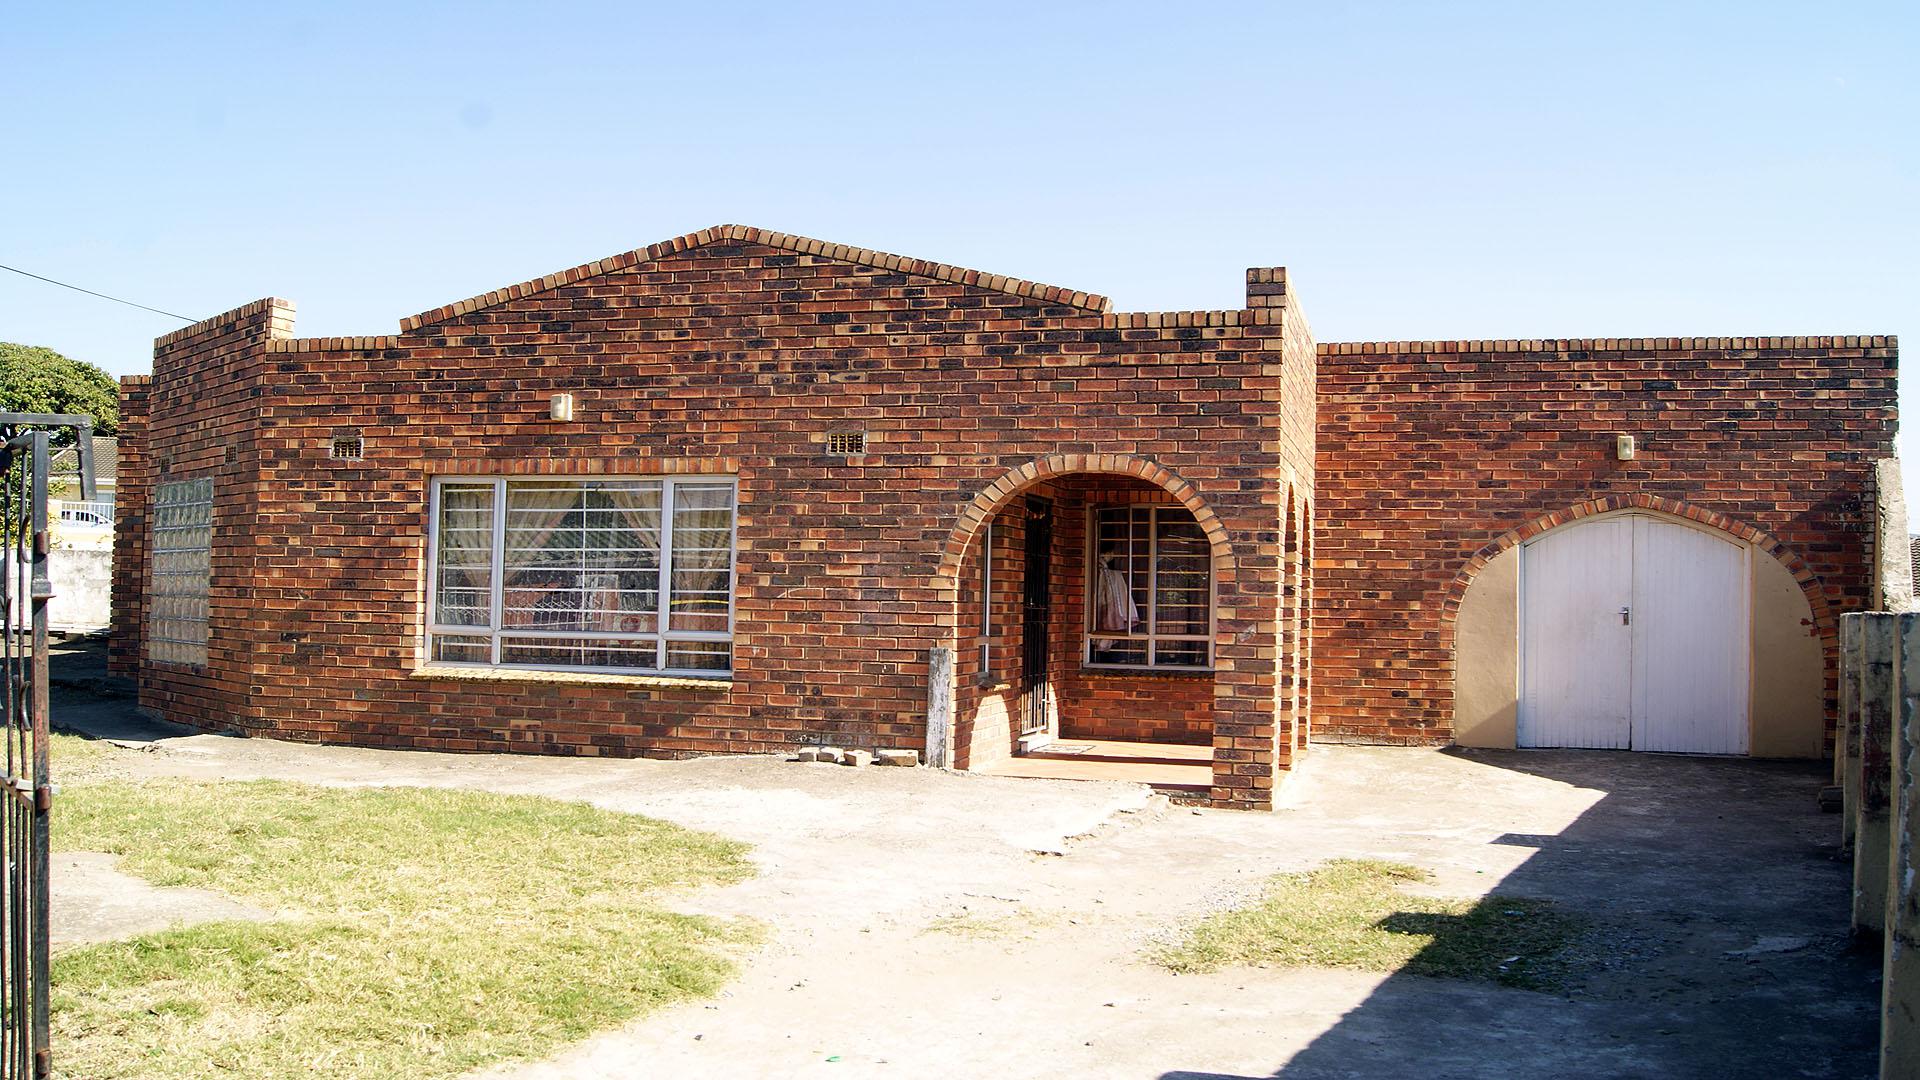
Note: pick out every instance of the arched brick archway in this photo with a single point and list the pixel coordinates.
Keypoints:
(1242, 692)
(1002, 491)
(1797, 695)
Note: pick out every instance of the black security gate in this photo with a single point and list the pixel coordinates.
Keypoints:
(1036, 612)
(25, 588)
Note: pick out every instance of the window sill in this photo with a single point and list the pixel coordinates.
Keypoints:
(1102, 672)
(567, 678)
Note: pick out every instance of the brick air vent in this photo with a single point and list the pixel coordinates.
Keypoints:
(846, 443)
(347, 448)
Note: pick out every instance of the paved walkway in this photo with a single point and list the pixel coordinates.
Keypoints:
(930, 924)
(1176, 770)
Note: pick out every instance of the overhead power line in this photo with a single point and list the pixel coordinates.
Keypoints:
(90, 292)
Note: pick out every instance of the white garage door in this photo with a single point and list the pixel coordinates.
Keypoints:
(1633, 634)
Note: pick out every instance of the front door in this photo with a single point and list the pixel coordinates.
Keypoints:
(1633, 635)
(1036, 711)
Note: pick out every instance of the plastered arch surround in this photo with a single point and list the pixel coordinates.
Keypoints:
(1788, 667)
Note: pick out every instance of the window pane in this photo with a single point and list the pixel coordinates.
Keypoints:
(583, 555)
(702, 586)
(1141, 554)
(578, 567)
(463, 595)
(1139, 559)
(699, 655)
(1181, 574)
(448, 649)
(1117, 651)
(1119, 602)
(579, 652)
(1179, 653)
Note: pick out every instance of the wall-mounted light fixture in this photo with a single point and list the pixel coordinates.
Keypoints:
(560, 407)
(1623, 447)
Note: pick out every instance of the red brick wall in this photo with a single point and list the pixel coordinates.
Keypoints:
(987, 705)
(198, 417)
(717, 353)
(1168, 707)
(1434, 452)
(1300, 375)
(1295, 645)
(134, 483)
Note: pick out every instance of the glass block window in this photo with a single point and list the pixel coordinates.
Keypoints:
(622, 575)
(1149, 589)
(182, 568)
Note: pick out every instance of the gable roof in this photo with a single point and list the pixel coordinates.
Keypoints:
(721, 234)
(106, 459)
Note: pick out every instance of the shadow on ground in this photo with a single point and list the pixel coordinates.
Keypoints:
(1718, 947)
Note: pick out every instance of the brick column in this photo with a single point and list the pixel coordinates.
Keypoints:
(1252, 742)
(133, 488)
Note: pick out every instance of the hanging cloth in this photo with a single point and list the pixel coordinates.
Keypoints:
(1114, 607)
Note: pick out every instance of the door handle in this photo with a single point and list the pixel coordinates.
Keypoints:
(1626, 616)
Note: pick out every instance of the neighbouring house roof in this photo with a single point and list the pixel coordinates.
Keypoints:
(747, 234)
(106, 459)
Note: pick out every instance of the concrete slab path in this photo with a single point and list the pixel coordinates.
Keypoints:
(932, 924)
(93, 901)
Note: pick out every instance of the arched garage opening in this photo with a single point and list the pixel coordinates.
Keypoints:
(1638, 628)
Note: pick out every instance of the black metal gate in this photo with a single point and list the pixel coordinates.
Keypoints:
(1036, 614)
(24, 591)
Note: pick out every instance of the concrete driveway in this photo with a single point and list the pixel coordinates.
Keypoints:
(931, 924)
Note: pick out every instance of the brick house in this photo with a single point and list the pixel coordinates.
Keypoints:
(742, 491)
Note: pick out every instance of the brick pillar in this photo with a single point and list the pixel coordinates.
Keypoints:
(1252, 741)
(1294, 672)
(1304, 739)
(133, 489)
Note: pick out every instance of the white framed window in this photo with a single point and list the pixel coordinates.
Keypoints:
(1149, 589)
(182, 568)
(612, 574)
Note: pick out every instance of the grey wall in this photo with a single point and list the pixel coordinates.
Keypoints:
(82, 578)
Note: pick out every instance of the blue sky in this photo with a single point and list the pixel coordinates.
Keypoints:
(1458, 170)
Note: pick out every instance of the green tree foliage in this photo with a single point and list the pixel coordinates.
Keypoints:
(37, 379)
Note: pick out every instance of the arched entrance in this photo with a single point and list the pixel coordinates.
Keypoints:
(1086, 626)
(1639, 628)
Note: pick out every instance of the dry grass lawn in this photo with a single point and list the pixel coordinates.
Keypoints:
(1354, 913)
(426, 932)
